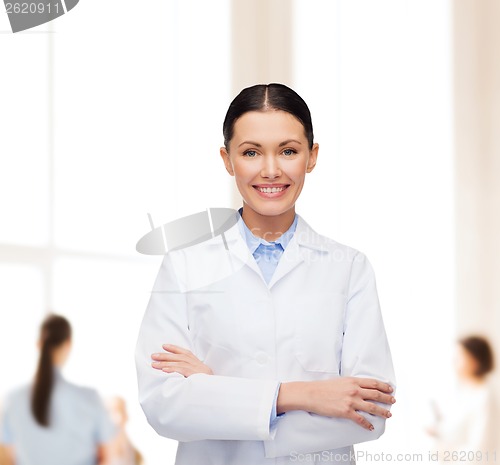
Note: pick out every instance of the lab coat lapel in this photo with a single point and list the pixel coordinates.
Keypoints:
(238, 250)
(295, 253)
(305, 241)
(291, 258)
(298, 250)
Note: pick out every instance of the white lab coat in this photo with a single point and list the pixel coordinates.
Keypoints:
(468, 430)
(318, 318)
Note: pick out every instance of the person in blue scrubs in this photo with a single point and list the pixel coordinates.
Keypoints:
(52, 421)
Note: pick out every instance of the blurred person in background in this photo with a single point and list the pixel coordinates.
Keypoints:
(122, 451)
(4, 458)
(51, 421)
(467, 430)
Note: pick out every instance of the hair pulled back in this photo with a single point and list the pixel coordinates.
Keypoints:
(55, 330)
(265, 97)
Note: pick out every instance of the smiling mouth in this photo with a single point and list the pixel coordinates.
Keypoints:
(271, 190)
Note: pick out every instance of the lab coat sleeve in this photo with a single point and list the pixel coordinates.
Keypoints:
(365, 353)
(200, 406)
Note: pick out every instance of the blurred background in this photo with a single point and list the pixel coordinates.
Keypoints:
(115, 110)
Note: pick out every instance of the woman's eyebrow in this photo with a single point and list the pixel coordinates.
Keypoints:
(281, 144)
(251, 143)
(288, 141)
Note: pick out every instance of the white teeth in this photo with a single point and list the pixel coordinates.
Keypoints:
(270, 190)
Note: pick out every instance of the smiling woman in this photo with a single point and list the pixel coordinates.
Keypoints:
(270, 173)
(287, 355)
(268, 130)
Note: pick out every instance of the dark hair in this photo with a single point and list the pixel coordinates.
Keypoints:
(264, 97)
(55, 330)
(479, 348)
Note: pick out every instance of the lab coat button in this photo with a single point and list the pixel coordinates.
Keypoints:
(262, 358)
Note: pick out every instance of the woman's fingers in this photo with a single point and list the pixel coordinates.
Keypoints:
(368, 407)
(174, 353)
(369, 383)
(184, 368)
(372, 394)
(378, 391)
(361, 420)
(350, 397)
(176, 367)
(373, 409)
(176, 349)
(176, 359)
(161, 365)
(166, 357)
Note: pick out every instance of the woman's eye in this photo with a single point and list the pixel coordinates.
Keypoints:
(289, 152)
(250, 153)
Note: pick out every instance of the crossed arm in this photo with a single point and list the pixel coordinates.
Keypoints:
(319, 415)
(340, 397)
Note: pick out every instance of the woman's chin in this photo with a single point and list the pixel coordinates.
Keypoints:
(270, 210)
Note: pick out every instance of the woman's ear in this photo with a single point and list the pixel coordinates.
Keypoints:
(313, 156)
(227, 161)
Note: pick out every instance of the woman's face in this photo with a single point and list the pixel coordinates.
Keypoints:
(269, 157)
(465, 364)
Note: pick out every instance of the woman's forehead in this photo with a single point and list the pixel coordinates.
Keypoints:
(269, 126)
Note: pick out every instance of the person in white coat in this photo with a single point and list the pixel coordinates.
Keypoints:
(466, 430)
(266, 345)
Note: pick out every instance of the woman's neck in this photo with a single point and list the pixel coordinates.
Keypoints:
(269, 228)
(473, 381)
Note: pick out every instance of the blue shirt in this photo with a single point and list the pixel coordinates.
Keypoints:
(78, 421)
(267, 255)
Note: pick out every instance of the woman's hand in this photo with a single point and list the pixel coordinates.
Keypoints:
(340, 397)
(179, 360)
(432, 431)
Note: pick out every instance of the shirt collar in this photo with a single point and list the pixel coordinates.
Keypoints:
(253, 241)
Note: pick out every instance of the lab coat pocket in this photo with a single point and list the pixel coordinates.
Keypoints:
(319, 321)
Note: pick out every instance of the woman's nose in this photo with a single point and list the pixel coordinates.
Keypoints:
(270, 168)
